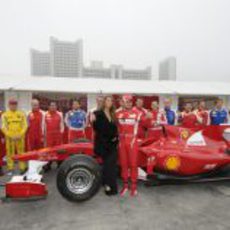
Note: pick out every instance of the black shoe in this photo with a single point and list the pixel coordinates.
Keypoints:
(111, 193)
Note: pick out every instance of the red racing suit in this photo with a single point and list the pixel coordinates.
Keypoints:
(54, 128)
(141, 128)
(152, 125)
(128, 124)
(35, 133)
(202, 116)
(188, 119)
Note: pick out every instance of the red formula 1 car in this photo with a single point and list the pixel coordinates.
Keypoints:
(174, 154)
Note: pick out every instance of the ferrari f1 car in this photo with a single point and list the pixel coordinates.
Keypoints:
(171, 154)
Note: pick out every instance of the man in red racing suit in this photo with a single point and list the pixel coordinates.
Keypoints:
(35, 133)
(128, 123)
(54, 126)
(188, 118)
(202, 114)
(153, 124)
(139, 108)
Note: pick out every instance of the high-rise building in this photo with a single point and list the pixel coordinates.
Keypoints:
(167, 69)
(137, 74)
(66, 58)
(40, 63)
(96, 70)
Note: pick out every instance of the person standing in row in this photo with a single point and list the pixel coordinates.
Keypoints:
(202, 114)
(105, 143)
(219, 115)
(154, 121)
(128, 124)
(75, 120)
(139, 108)
(54, 126)
(99, 103)
(188, 118)
(35, 118)
(2, 147)
(121, 105)
(14, 127)
(168, 115)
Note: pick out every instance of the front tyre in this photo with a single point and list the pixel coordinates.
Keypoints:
(79, 178)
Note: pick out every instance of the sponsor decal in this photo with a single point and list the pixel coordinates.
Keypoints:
(184, 134)
(172, 163)
(196, 139)
(132, 115)
(127, 121)
(209, 166)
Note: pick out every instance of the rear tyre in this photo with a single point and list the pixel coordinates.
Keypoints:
(79, 178)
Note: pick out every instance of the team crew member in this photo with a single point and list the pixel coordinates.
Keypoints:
(35, 118)
(188, 118)
(76, 121)
(2, 148)
(54, 126)
(105, 144)
(202, 114)
(99, 103)
(90, 117)
(121, 105)
(155, 113)
(128, 123)
(154, 121)
(167, 115)
(139, 108)
(14, 126)
(219, 115)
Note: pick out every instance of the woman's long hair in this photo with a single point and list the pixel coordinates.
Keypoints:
(112, 109)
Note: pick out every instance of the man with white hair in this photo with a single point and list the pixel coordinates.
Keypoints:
(99, 102)
(35, 120)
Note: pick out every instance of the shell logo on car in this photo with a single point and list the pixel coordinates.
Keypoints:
(172, 163)
(184, 134)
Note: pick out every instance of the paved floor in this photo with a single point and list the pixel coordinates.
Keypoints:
(185, 207)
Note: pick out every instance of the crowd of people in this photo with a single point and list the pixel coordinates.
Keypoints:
(134, 123)
(116, 131)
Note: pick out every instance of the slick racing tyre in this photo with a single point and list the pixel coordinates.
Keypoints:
(79, 178)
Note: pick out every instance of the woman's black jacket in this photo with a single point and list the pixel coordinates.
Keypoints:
(106, 134)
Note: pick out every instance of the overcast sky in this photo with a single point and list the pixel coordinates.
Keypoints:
(135, 33)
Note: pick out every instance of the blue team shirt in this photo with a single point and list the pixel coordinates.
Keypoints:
(170, 115)
(218, 116)
(76, 119)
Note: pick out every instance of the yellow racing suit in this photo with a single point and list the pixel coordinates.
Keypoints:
(14, 126)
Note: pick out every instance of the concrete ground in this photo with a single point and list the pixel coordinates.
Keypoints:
(184, 207)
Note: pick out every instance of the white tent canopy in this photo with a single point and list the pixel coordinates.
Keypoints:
(79, 85)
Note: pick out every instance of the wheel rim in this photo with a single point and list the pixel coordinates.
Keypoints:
(79, 180)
